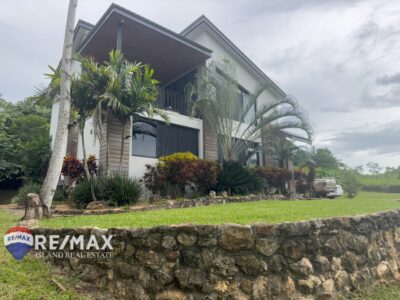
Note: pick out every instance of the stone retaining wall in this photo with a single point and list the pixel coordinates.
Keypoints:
(321, 259)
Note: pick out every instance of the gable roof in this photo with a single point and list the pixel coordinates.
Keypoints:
(114, 8)
(203, 20)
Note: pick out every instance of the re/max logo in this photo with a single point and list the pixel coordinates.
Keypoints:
(54, 242)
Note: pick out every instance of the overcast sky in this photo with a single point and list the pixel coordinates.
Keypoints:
(339, 59)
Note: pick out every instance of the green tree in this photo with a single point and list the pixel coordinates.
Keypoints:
(373, 167)
(324, 158)
(24, 140)
(350, 183)
(214, 96)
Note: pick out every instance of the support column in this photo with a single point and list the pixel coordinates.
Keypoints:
(210, 142)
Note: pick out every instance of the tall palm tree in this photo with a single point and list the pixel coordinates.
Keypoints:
(213, 96)
(60, 140)
(129, 90)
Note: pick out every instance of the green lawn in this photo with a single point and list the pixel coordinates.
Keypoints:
(240, 213)
(29, 278)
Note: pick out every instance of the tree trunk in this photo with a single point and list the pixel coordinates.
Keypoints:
(108, 143)
(60, 140)
(122, 146)
(85, 166)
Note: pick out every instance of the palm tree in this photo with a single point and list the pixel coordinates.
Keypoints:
(213, 96)
(282, 151)
(60, 140)
(125, 90)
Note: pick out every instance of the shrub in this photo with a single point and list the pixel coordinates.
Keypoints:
(174, 172)
(236, 179)
(350, 183)
(74, 168)
(82, 194)
(116, 189)
(24, 190)
(120, 189)
(275, 177)
(205, 175)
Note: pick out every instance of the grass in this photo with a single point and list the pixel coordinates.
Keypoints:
(384, 292)
(240, 213)
(29, 278)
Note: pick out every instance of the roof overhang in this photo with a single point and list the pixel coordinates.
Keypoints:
(169, 53)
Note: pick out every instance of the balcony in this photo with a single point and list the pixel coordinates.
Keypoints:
(172, 100)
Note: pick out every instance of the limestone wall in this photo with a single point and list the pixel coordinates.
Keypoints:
(320, 259)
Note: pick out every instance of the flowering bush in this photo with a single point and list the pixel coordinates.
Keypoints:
(174, 172)
(74, 168)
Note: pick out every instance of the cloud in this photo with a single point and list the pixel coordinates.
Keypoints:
(376, 140)
(388, 79)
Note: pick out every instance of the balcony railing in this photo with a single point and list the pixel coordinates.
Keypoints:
(171, 100)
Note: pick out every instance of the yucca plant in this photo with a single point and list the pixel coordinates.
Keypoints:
(120, 189)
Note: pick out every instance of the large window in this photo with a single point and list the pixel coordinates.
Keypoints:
(155, 139)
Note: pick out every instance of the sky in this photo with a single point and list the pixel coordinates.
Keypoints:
(340, 59)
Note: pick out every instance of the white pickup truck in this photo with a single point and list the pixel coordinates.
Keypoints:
(327, 187)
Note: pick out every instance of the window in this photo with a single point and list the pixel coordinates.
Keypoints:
(155, 139)
(144, 139)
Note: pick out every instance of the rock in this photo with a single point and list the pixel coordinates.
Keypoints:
(186, 240)
(293, 249)
(213, 194)
(246, 286)
(336, 264)
(207, 258)
(148, 258)
(172, 255)
(349, 262)
(97, 205)
(168, 242)
(327, 290)
(236, 238)
(224, 266)
(382, 269)
(322, 264)
(303, 267)
(249, 264)
(171, 295)
(267, 246)
(190, 278)
(224, 194)
(308, 285)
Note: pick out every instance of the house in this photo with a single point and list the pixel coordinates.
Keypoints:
(175, 58)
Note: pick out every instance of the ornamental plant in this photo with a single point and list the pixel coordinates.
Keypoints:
(173, 173)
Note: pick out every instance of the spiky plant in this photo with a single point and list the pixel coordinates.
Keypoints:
(213, 96)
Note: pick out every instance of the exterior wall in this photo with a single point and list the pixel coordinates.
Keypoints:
(137, 164)
(319, 259)
(245, 78)
(92, 145)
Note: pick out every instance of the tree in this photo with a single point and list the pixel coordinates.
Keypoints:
(350, 183)
(324, 158)
(374, 167)
(214, 97)
(60, 140)
(129, 91)
(24, 142)
(282, 151)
